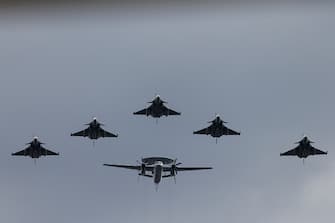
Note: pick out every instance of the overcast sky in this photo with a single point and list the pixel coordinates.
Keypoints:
(268, 71)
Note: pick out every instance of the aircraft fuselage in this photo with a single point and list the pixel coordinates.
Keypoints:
(217, 131)
(155, 110)
(93, 132)
(158, 172)
(35, 151)
(303, 151)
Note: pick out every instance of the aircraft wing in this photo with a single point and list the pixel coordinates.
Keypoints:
(168, 169)
(141, 112)
(129, 167)
(48, 152)
(193, 168)
(105, 133)
(204, 131)
(24, 152)
(292, 152)
(172, 112)
(227, 131)
(316, 151)
(83, 133)
(168, 111)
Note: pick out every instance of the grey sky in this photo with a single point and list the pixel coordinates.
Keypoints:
(268, 71)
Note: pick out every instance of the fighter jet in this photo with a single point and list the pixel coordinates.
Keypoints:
(94, 131)
(158, 168)
(35, 150)
(216, 129)
(304, 149)
(157, 109)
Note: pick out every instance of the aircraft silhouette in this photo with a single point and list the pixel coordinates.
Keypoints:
(304, 149)
(216, 129)
(35, 150)
(155, 167)
(157, 109)
(94, 131)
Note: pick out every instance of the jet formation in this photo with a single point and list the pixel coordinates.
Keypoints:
(158, 168)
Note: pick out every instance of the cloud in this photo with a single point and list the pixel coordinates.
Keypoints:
(314, 200)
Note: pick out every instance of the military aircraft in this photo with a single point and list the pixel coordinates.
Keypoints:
(217, 129)
(304, 149)
(94, 131)
(157, 109)
(156, 167)
(35, 150)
